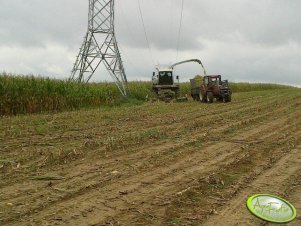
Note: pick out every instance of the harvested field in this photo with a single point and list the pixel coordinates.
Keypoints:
(153, 164)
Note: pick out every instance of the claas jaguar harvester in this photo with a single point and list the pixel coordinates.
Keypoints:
(165, 85)
(211, 87)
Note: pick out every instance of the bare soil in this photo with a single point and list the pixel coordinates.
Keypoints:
(154, 164)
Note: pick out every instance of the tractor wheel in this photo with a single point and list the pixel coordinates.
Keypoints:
(202, 98)
(227, 99)
(209, 97)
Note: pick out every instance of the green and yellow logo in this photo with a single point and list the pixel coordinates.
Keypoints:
(271, 208)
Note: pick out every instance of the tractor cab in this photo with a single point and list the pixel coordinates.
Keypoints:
(216, 80)
(213, 80)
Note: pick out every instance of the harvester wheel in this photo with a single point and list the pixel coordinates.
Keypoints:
(177, 94)
(209, 97)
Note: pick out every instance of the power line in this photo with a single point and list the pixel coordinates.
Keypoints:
(130, 32)
(180, 28)
(171, 24)
(124, 19)
(129, 60)
(145, 33)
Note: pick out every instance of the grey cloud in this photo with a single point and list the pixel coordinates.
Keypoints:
(267, 22)
(245, 40)
(35, 22)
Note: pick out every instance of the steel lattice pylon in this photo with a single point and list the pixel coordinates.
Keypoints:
(100, 45)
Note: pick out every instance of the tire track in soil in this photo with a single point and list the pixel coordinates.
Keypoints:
(173, 181)
(293, 194)
(268, 142)
(272, 181)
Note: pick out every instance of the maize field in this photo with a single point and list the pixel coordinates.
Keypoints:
(30, 94)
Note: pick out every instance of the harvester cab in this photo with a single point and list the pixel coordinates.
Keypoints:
(164, 77)
(165, 86)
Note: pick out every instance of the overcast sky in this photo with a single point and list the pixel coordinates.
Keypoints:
(244, 40)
